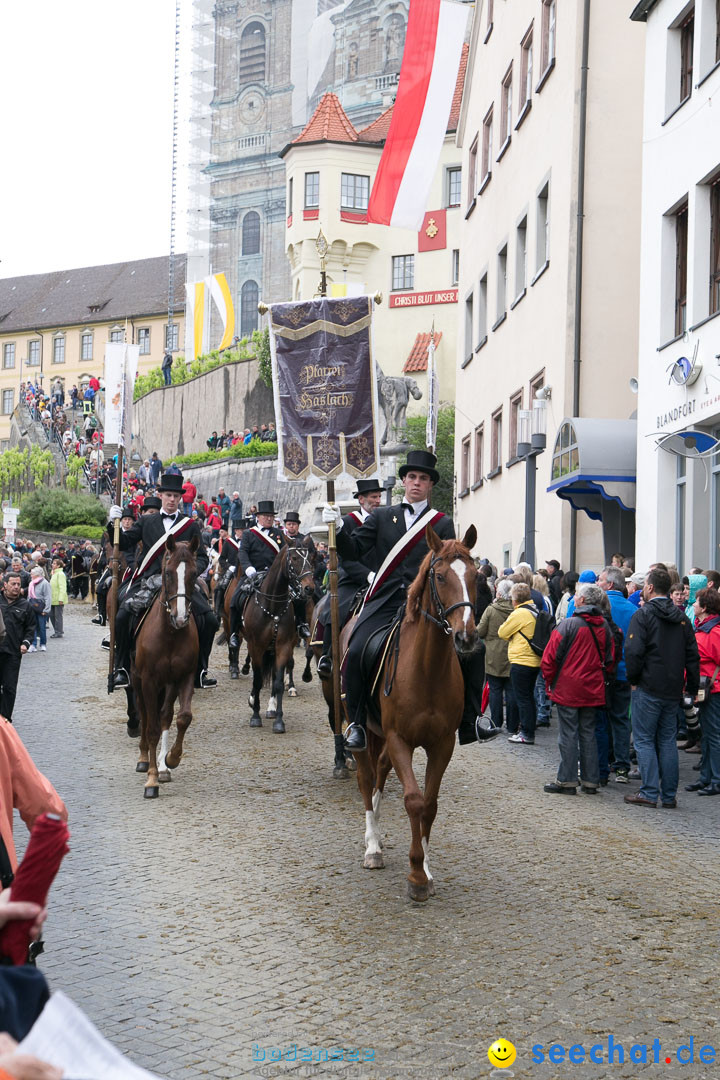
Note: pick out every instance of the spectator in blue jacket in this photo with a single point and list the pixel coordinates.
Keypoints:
(612, 581)
(587, 577)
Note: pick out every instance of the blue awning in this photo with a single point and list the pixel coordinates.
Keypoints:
(595, 461)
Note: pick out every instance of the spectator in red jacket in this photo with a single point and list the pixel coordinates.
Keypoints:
(579, 657)
(189, 494)
(707, 635)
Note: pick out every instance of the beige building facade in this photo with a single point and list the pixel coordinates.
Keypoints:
(330, 170)
(549, 274)
(54, 326)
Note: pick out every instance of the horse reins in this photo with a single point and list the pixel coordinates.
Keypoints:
(294, 589)
(443, 612)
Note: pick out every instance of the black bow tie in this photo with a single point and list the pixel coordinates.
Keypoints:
(163, 514)
(408, 506)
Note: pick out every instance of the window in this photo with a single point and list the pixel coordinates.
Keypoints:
(536, 383)
(8, 402)
(482, 309)
(403, 271)
(565, 459)
(290, 196)
(479, 431)
(687, 40)
(501, 284)
(465, 466)
(506, 114)
(455, 266)
(472, 172)
(454, 185)
(251, 233)
(33, 353)
(543, 228)
(516, 403)
(9, 354)
(58, 356)
(312, 190)
(143, 340)
(521, 258)
(249, 295)
(548, 33)
(526, 69)
(487, 146)
(252, 54)
(117, 334)
(354, 192)
(469, 326)
(172, 336)
(715, 247)
(496, 443)
(86, 345)
(681, 257)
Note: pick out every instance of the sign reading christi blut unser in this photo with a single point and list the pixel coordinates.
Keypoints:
(419, 299)
(325, 388)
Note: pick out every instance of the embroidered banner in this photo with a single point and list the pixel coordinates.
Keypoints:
(325, 388)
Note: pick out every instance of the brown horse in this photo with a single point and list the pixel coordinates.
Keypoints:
(163, 670)
(344, 762)
(269, 626)
(420, 701)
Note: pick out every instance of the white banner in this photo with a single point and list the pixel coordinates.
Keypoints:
(121, 363)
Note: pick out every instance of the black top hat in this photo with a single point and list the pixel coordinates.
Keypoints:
(266, 507)
(364, 487)
(128, 511)
(152, 503)
(292, 515)
(243, 523)
(171, 482)
(420, 461)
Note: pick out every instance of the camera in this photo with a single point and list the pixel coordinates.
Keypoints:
(692, 713)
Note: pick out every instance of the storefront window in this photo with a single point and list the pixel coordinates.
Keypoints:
(566, 459)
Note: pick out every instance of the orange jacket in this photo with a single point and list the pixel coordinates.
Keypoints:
(22, 786)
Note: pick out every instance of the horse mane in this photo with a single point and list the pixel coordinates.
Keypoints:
(413, 606)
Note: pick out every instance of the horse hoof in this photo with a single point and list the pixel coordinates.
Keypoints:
(292, 692)
(256, 722)
(271, 714)
(234, 673)
(418, 893)
(340, 773)
(374, 861)
(279, 727)
(245, 669)
(142, 766)
(150, 792)
(431, 887)
(164, 777)
(133, 732)
(307, 676)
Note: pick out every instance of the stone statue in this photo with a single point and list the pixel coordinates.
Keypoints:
(394, 393)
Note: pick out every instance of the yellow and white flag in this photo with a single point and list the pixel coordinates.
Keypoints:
(195, 317)
(220, 292)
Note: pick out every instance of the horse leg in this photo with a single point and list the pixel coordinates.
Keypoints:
(384, 766)
(183, 721)
(289, 681)
(437, 763)
(142, 763)
(166, 716)
(254, 699)
(133, 720)
(401, 758)
(233, 657)
(245, 669)
(152, 728)
(373, 843)
(307, 672)
(275, 709)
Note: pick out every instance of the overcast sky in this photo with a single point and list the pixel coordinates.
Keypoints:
(87, 96)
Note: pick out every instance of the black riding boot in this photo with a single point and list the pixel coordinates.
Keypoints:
(123, 632)
(300, 609)
(235, 626)
(207, 625)
(471, 728)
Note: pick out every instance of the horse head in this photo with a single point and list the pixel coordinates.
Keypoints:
(179, 571)
(300, 566)
(444, 590)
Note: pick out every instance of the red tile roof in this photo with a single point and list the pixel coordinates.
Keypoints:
(418, 358)
(377, 131)
(457, 96)
(329, 123)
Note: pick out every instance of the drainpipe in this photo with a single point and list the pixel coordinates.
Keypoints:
(577, 357)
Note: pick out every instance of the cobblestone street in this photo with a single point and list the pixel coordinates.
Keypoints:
(232, 915)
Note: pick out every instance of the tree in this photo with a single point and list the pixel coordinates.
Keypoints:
(442, 494)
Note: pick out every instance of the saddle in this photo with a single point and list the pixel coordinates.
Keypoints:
(374, 653)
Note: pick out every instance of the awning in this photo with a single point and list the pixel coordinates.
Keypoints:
(595, 461)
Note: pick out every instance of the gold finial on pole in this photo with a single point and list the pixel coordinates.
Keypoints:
(263, 308)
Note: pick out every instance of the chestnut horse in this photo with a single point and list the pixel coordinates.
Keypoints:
(420, 699)
(269, 626)
(164, 666)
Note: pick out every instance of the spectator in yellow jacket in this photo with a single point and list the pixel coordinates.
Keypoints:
(518, 630)
(58, 597)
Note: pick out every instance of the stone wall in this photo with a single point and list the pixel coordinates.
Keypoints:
(176, 420)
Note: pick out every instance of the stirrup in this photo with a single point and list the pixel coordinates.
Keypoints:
(482, 732)
(324, 667)
(121, 677)
(350, 732)
(206, 681)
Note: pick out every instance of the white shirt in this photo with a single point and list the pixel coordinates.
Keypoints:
(411, 518)
(169, 521)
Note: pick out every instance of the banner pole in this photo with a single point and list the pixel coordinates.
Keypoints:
(334, 612)
(112, 599)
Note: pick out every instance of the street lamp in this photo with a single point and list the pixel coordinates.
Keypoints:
(531, 441)
(322, 247)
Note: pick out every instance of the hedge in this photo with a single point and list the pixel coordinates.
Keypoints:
(86, 532)
(255, 448)
(246, 349)
(53, 510)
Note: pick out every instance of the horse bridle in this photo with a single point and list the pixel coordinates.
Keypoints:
(167, 600)
(443, 612)
(294, 585)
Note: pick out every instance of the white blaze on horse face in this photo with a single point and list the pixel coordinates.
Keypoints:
(459, 567)
(181, 616)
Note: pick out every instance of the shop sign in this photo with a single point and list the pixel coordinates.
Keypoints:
(419, 299)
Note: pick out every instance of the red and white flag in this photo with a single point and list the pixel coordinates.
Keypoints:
(431, 58)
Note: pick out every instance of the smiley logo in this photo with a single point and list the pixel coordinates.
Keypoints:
(502, 1053)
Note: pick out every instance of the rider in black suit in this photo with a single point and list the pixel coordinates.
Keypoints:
(380, 533)
(259, 545)
(147, 531)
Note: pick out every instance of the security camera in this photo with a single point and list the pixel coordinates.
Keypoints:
(544, 393)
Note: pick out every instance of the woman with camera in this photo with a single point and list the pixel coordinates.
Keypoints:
(707, 633)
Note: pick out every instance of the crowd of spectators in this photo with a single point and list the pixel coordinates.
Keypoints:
(263, 432)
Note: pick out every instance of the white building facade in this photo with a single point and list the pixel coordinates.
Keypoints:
(548, 274)
(678, 368)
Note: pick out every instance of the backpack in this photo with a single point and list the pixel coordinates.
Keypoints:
(544, 626)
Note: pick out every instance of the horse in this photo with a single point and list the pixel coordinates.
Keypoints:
(164, 666)
(269, 626)
(344, 762)
(421, 700)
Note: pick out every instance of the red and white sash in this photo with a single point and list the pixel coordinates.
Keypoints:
(357, 517)
(401, 550)
(271, 543)
(178, 529)
(229, 540)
